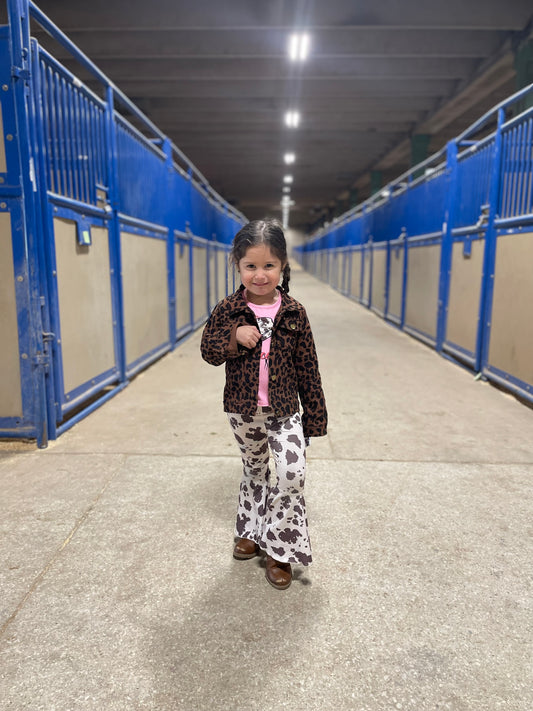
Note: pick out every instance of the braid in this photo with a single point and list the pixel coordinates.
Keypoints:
(286, 278)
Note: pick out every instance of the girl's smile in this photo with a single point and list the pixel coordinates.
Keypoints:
(260, 272)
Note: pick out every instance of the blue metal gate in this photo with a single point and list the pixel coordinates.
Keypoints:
(113, 245)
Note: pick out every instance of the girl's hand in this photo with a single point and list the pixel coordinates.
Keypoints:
(247, 336)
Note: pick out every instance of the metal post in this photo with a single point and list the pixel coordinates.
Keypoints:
(447, 244)
(171, 250)
(489, 258)
(114, 236)
(34, 370)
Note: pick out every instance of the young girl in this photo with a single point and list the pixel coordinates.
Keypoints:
(264, 337)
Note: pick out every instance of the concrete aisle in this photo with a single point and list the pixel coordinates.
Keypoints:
(119, 591)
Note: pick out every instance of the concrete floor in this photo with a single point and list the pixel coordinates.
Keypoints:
(119, 591)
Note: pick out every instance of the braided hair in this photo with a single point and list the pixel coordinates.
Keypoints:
(268, 232)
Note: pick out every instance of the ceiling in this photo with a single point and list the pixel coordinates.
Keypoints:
(216, 78)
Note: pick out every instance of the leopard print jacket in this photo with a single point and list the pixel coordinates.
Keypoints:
(293, 364)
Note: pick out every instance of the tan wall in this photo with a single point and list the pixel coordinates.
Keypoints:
(333, 271)
(200, 282)
(85, 310)
(340, 270)
(213, 256)
(465, 288)
(511, 337)
(222, 263)
(379, 274)
(145, 293)
(355, 266)
(366, 275)
(323, 266)
(397, 256)
(423, 288)
(183, 281)
(10, 387)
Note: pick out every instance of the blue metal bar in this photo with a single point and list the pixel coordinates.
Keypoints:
(142, 224)
(89, 409)
(45, 271)
(487, 286)
(514, 221)
(515, 150)
(78, 205)
(25, 247)
(114, 237)
(447, 245)
(527, 167)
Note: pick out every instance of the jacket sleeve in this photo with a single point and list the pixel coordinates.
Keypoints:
(315, 416)
(219, 341)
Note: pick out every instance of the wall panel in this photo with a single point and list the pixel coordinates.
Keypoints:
(183, 285)
(379, 274)
(397, 257)
(511, 335)
(423, 288)
(85, 308)
(355, 277)
(145, 293)
(199, 283)
(465, 290)
(10, 386)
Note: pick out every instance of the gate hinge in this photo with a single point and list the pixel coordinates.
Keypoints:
(20, 73)
(41, 359)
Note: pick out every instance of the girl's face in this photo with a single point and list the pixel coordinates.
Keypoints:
(260, 272)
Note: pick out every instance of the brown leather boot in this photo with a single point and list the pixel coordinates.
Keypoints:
(278, 574)
(245, 549)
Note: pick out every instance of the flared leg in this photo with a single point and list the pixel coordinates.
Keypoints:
(271, 509)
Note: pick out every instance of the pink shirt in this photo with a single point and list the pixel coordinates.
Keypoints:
(265, 315)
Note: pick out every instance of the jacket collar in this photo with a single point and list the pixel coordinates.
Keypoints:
(238, 303)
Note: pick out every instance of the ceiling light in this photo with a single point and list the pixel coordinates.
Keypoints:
(298, 47)
(292, 119)
(289, 158)
(287, 179)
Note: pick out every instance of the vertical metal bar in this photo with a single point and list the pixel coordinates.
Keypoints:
(504, 195)
(41, 105)
(191, 275)
(521, 165)
(517, 170)
(67, 132)
(55, 185)
(60, 133)
(79, 147)
(387, 280)
(32, 383)
(90, 195)
(171, 250)
(513, 172)
(454, 193)
(489, 259)
(114, 236)
(404, 278)
(528, 187)
(46, 138)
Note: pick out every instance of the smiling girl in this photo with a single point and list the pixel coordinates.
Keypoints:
(264, 338)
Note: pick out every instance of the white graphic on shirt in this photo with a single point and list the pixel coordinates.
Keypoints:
(265, 324)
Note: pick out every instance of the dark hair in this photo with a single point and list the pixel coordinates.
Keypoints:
(269, 232)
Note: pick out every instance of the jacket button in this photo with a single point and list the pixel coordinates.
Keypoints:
(293, 326)
(272, 377)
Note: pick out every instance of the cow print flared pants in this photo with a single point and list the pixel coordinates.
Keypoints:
(271, 508)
